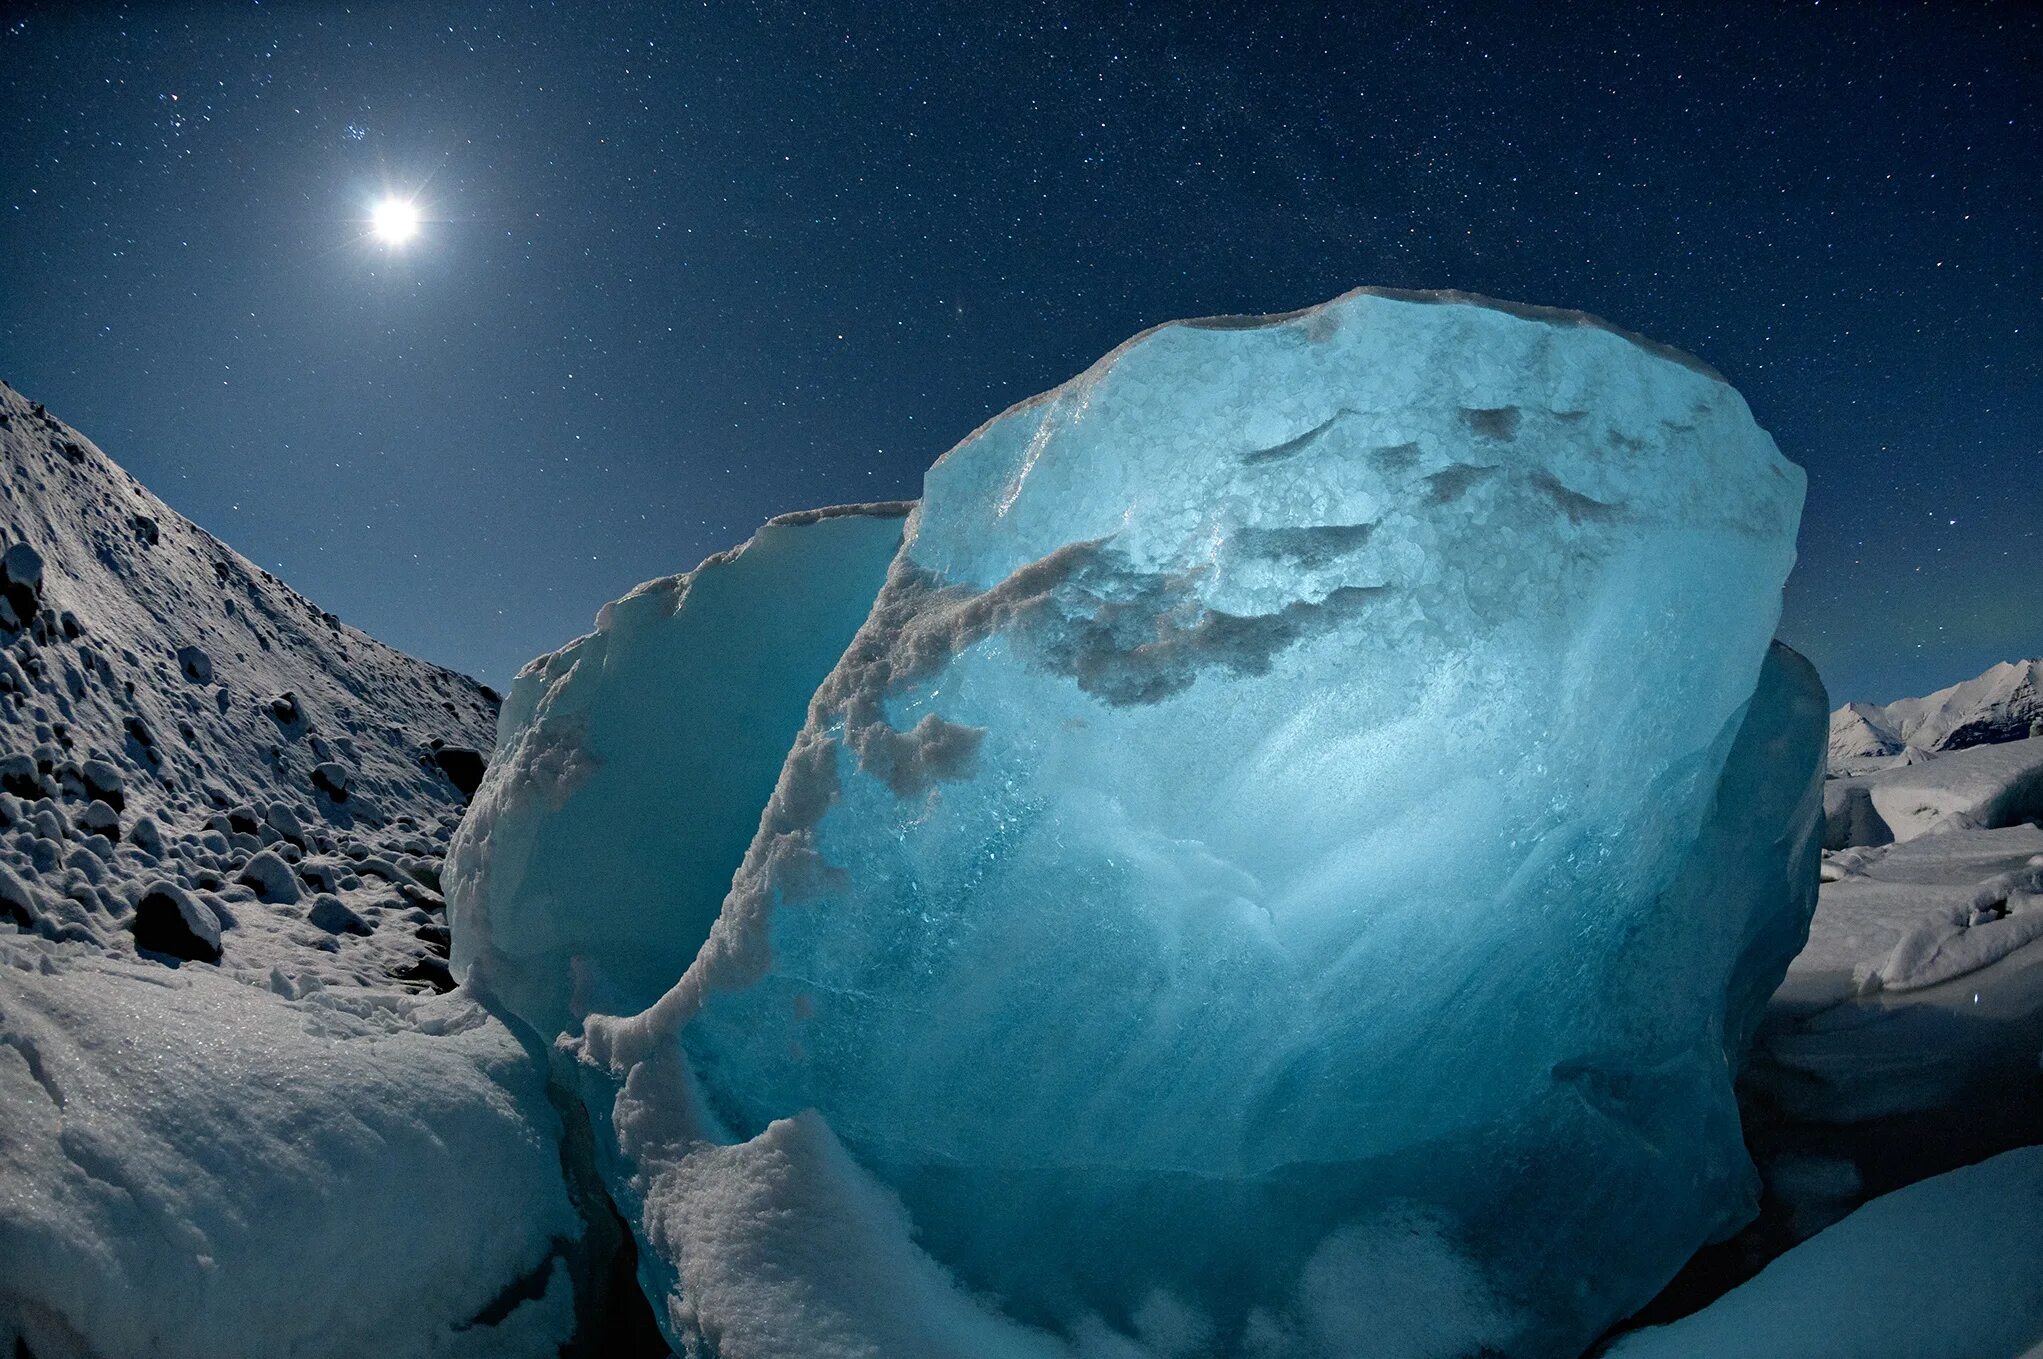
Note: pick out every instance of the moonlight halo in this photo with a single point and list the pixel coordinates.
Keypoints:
(394, 220)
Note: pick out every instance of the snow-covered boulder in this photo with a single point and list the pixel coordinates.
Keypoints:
(196, 1167)
(1290, 858)
(271, 878)
(170, 921)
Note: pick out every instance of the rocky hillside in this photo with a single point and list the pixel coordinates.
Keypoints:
(238, 1114)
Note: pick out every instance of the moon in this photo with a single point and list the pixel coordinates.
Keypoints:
(394, 220)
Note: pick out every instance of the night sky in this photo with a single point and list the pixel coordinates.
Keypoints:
(687, 267)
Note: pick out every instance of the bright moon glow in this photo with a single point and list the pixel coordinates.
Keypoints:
(394, 221)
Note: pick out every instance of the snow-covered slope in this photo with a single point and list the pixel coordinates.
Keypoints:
(234, 1118)
(2004, 704)
(202, 677)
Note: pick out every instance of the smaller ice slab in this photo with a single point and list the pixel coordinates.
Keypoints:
(632, 765)
(1951, 1268)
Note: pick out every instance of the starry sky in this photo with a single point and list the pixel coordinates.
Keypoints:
(688, 266)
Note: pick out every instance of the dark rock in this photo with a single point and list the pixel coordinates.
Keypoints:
(21, 582)
(331, 778)
(331, 914)
(103, 781)
(463, 766)
(196, 664)
(20, 776)
(18, 900)
(170, 922)
(99, 819)
(432, 971)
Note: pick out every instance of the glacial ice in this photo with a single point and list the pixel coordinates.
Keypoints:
(631, 766)
(1288, 865)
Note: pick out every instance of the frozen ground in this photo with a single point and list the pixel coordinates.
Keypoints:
(1950, 1268)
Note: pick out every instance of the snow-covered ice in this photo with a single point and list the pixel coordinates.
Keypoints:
(1289, 862)
(193, 1166)
(1978, 786)
(1921, 987)
(1951, 1268)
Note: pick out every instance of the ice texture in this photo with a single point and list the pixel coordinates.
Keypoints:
(631, 766)
(1288, 865)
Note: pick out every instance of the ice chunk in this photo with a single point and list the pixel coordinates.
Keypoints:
(1951, 1268)
(632, 766)
(1265, 842)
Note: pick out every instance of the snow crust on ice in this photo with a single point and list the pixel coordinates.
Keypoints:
(631, 765)
(1951, 1268)
(1921, 987)
(1280, 859)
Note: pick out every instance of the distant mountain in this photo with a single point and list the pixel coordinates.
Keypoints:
(2004, 704)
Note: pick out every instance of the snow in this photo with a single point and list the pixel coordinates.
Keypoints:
(230, 1128)
(194, 1166)
(1296, 776)
(631, 767)
(1951, 1268)
(1921, 988)
(1979, 786)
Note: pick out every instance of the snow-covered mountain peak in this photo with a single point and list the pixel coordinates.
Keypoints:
(2003, 704)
